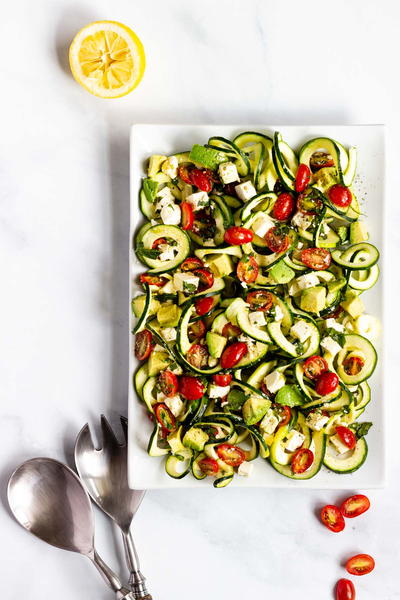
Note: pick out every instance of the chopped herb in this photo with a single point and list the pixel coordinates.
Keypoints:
(143, 252)
(340, 338)
(361, 429)
(189, 288)
(150, 188)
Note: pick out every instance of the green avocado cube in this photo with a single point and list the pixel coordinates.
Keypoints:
(169, 315)
(288, 396)
(158, 361)
(236, 399)
(155, 163)
(254, 409)
(195, 438)
(139, 302)
(353, 305)
(207, 157)
(336, 284)
(358, 232)
(216, 343)
(281, 272)
(220, 264)
(313, 299)
(175, 442)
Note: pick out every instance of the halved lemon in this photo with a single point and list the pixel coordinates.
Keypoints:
(107, 59)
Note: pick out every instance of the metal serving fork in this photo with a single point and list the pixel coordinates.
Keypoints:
(104, 473)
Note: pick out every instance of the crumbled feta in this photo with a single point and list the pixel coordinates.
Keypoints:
(228, 172)
(167, 251)
(295, 439)
(160, 396)
(257, 318)
(262, 224)
(274, 381)
(168, 333)
(300, 245)
(316, 421)
(338, 444)
(174, 404)
(212, 362)
(307, 281)
(168, 288)
(244, 285)
(177, 370)
(209, 242)
(330, 345)
(325, 229)
(302, 221)
(170, 167)
(245, 190)
(154, 221)
(165, 194)
(245, 469)
(218, 391)
(219, 433)
(269, 422)
(278, 313)
(294, 288)
(198, 200)
(182, 280)
(158, 348)
(301, 330)
(333, 324)
(171, 214)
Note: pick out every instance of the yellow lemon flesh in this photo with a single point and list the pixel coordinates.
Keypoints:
(107, 59)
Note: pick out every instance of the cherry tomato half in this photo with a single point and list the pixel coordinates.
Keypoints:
(164, 416)
(340, 195)
(184, 174)
(284, 413)
(158, 242)
(302, 178)
(190, 387)
(168, 383)
(326, 383)
(347, 436)
(235, 236)
(206, 278)
(153, 279)
(191, 263)
(187, 216)
(283, 207)
(233, 354)
(196, 330)
(223, 379)
(204, 305)
(302, 460)
(247, 269)
(355, 506)
(318, 259)
(309, 202)
(332, 518)
(229, 330)
(314, 366)
(353, 365)
(230, 454)
(197, 356)
(260, 300)
(345, 590)
(321, 159)
(143, 344)
(277, 241)
(361, 564)
(202, 179)
(208, 465)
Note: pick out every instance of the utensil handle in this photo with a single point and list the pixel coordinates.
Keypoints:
(111, 578)
(136, 579)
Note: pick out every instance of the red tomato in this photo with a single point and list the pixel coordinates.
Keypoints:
(197, 330)
(143, 344)
(314, 366)
(284, 413)
(164, 416)
(208, 465)
(326, 383)
(353, 365)
(206, 278)
(283, 207)
(355, 506)
(191, 388)
(153, 279)
(229, 330)
(168, 383)
(302, 178)
(201, 179)
(345, 590)
(361, 564)
(191, 263)
(318, 259)
(302, 460)
(204, 305)
(233, 354)
(223, 379)
(260, 300)
(309, 202)
(332, 518)
(231, 455)
(340, 195)
(184, 174)
(277, 241)
(235, 236)
(158, 242)
(187, 215)
(347, 436)
(334, 314)
(197, 355)
(247, 269)
(321, 159)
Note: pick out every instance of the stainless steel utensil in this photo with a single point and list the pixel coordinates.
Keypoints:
(48, 499)
(104, 473)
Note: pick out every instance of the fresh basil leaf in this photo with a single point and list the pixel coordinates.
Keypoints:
(143, 252)
(150, 188)
(336, 335)
(361, 429)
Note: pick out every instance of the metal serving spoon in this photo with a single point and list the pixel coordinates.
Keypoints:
(48, 499)
(104, 473)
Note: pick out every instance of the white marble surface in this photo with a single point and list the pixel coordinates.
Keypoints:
(63, 236)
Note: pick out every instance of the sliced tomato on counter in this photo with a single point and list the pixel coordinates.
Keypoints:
(247, 269)
(260, 300)
(361, 564)
(204, 305)
(164, 417)
(168, 383)
(302, 460)
(332, 518)
(153, 279)
(347, 436)
(197, 356)
(277, 239)
(320, 160)
(355, 506)
(317, 259)
(230, 454)
(196, 330)
(187, 216)
(303, 177)
(229, 330)
(283, 207)
(191, 388)
(326, 383)
(202, 179)
(233, 354)
(143, 344)
(340, 195)
(184, 174)
(191, 263)
(206, 278)
(314, 366)
(236, 236)
(208, 465)
(345, 590)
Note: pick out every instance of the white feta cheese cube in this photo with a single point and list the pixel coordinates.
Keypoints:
(166, 195)
(269, 422)
(333, 324)
(167, 251)
(307, 281)
(330, 345)
(245, 469)
(170, 167)
(244, 285)
(301, 330)
(262, 224)
(158, 348)
(228, 172)
(294, 440)
(184, 281)
(160, 397)
(174, 404)
(168, 333)
(245, 190)
(154, 221)
(338, 444)
(177, 370)
(316, 421)
(198, 200)
(171, 214)
(257, 318)
(274, 381)
(212, 362)
(218, 391)
(302, 221)
(300, 245)
(278, 313)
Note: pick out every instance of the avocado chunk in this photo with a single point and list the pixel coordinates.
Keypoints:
(353, 305)
(336, 285)
(281, 272)
(254, 409)
(169, 315)
(220, 264)
(313, 299)
(175, 442)
(288, 396)
(216, 343)
(195, 438)
(158, 361)
(155, 163)
(358, 232)
(139, 302)
(236, 398)
(208, 157)
(325, 178)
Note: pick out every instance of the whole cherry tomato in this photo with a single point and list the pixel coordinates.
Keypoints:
(321, 159)
(153, 279)
(223, 379)
(208, 465)
(283, 207)
(314, 366)
(345, 590)
(202, 179)
(168, 383)
(318, 259)
(204, 305)
(326, 383)
(260, 300)
(355, 506)
(197, 356)
(247, 269)
(184, 174)
(233, 354)
(332, 518)
(302, 460)
(191, 263)
(347, 436)
(361, 564)
(353, 365)
(277, 240)
(236, 236)
(302, 178)
(229, 330)
(197, 330)
(340, 195)
(206, 278)
(143, 344)
(187, 216)
(164, 416)
(190, 387)
(230, 454)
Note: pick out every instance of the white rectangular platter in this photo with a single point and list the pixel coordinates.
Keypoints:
(147, 472)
